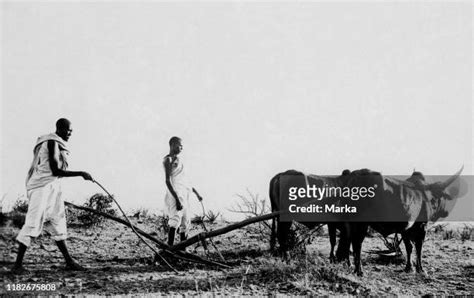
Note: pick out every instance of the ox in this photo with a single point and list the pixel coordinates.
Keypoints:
(280, 229)
(404, 206)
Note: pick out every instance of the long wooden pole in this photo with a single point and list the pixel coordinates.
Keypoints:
(226, 229)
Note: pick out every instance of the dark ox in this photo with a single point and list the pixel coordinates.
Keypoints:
(280, 229)
(404, 207)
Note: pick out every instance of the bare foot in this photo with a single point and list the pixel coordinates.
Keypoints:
(18, 269)
(74, 267)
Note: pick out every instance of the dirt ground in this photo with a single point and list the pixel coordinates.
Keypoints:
(118, 263)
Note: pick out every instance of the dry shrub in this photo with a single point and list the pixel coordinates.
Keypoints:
(212, 216)
(303, 235)
(293, 243)
(209, 217)
(20, 206)
(142, 213)
(466, 233)
(437, 229)
(3, 219)
(85, 219)
(18, 213)
(197, 220)
(251, 205)
(449, 234)
(18, 219)
(162, 223)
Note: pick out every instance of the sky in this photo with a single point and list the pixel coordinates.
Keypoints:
(253, 89)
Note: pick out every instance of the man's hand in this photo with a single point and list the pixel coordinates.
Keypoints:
(179, 206)
(197, 195)
(86, 176)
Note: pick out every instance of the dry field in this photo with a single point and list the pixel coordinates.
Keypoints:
(118, 263)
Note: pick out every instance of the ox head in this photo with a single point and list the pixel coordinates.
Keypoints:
(442, 194)
(449, 189)
(423, 201)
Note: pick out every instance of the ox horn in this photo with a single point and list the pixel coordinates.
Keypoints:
(450, 180)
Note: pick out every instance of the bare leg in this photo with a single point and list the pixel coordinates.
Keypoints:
(62, 247)
(18, 267)
(171, 234)
(70, 263)
(182, 237)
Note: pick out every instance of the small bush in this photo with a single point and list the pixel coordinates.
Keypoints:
(301, 235)
(18, 213)
(18, 219)
(3, 219)
(211, 216)
(142, 214)
(21, 206)
(296, 246)
(251, 205)
(449, 234)
(197, 220)
(86, 219)
(162, 223)
(438, 229)
(466, 233)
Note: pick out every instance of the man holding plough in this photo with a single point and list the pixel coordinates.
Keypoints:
(46, 202)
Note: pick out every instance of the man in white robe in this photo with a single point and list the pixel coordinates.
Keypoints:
(178, 192)
(46, 202)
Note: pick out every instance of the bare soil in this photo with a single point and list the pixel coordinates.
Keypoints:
(118, 263)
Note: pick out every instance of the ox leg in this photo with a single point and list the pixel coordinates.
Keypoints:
(343, 249)
(419, 238)
(409, 248)
(358, 233)
(332, 240)
(283, 230)
(273, 235)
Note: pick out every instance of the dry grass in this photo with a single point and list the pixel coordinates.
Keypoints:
(449, 231)
(251, 205)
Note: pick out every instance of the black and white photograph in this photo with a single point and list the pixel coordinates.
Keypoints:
(236, 148)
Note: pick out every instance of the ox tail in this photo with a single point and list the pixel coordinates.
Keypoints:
(274, 197)
(273, 235)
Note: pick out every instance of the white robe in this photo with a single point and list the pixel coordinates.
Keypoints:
(178, 218)
(45, 210)
(40, 172)
(46, 203)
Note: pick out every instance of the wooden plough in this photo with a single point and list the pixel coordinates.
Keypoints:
(176, 250)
